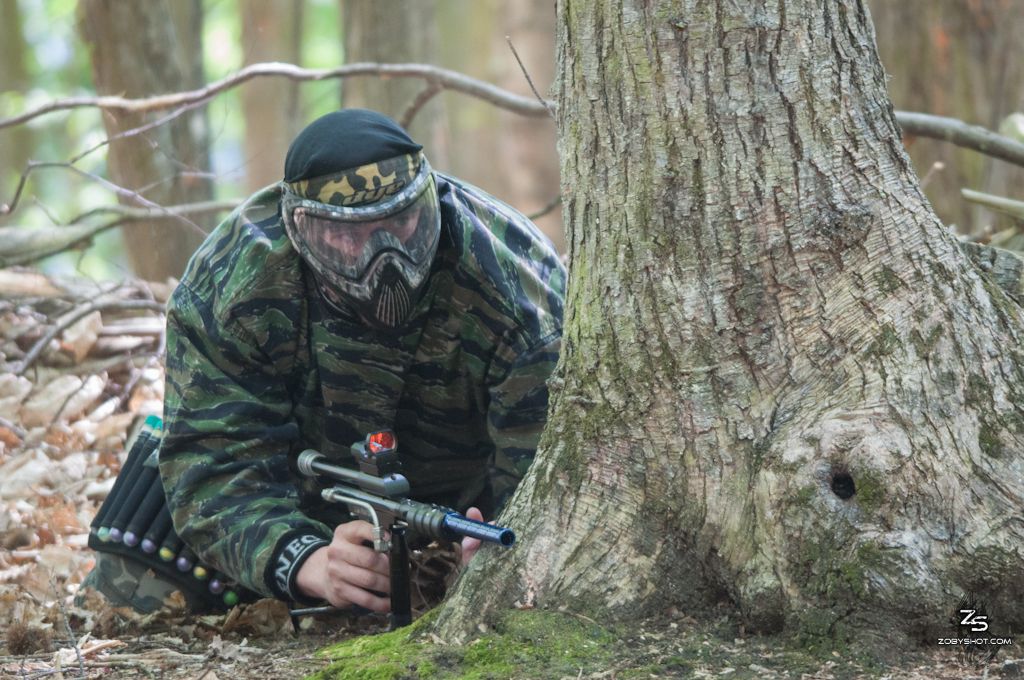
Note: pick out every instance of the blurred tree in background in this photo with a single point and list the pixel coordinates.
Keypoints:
(272, 107)
(141, 48)
(958, 59)
(382, 32)
(15, 143)
(964, 60)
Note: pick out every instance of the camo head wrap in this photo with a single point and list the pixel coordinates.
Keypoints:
(360, 206)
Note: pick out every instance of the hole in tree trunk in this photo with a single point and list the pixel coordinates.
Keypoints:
(842, 484)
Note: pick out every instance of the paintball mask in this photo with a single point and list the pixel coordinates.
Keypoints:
(369, 235)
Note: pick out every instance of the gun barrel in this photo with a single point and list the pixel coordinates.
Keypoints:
(312, 463)
(432, 521)
(456, 523)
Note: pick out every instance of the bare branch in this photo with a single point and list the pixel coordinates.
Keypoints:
(165, 212)
(960, 133)
(447, 79)
(23, 245)
(8, 208)
(1004, 205)
(547, 104)
(137, 131)
(554, 203)
(78, 314)
(428, 93)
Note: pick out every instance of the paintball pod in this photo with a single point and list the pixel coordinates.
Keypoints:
(377, 493)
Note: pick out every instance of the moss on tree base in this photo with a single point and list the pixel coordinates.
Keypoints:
(539, 644)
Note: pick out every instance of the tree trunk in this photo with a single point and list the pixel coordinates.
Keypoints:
(136, 51)
(781, 385)
(964, 60)
(271, 31)
(15, 142)
(381, 31)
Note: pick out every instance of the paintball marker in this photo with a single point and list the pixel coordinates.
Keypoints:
(377, 493)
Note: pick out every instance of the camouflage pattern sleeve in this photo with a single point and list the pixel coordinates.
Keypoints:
(517, 414)
(225, 453)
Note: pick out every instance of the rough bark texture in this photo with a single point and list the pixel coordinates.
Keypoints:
(782, 386)
(136, 51)
(271, 31)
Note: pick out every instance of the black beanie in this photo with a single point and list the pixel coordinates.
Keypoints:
(345, 139)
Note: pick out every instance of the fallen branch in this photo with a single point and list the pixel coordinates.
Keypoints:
(23, 245)
(71, 318)
(961, 134)
(449, 80)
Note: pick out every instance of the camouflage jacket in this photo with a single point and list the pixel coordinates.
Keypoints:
(258, 369)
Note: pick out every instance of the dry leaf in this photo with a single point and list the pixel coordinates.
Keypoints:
(85, 397)
(260, 619)
(20, 473)
(233, 652)
(9, 439)
(79, 338)
(13, 390)
(43, 406)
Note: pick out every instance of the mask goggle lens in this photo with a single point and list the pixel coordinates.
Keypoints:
(345, 241)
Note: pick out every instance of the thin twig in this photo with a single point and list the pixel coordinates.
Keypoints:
(555, 202)
(67, 626)
(449, 80)
(8, 208)
(421, 100)
(547, 104)
(13, 427)
(1006, 206)
(937, 167)
(139, 130)
(130, 213)
(78, 314)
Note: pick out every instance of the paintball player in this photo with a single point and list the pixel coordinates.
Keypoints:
(364, 292)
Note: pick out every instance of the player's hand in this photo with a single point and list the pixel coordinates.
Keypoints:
(471, 545)
(347, 572)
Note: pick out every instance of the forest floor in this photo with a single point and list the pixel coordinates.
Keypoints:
(80, 369)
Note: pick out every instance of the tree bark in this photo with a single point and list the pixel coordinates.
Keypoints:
(136, 51)
(271, 31)
(782, 386)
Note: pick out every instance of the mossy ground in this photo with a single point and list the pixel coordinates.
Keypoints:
(548, 645)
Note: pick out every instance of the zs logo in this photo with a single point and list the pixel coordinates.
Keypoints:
(976, 622)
